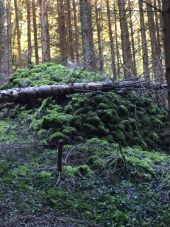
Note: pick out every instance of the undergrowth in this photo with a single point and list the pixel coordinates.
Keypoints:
(107, 187)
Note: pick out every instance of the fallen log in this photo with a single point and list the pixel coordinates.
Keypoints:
(22, 94)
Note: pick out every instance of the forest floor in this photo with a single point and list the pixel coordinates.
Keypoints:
(101, 185)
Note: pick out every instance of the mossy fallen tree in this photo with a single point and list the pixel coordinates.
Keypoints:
(20, 94)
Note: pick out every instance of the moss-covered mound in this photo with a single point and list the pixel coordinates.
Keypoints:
(125, 119)
(48, 74)
(101, 185)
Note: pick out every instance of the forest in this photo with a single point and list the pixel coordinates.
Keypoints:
(85, 113)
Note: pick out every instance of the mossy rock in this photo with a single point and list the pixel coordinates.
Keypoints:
(103, 106)
(76, 121)
(122, 111)
(55, 137)
(93, 119)
(89, 130)
(102, 130)
(71, 131)
(68, 109)
(55, 120)
(109, 115)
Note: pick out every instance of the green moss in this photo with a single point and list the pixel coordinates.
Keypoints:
(43, 178)
(102, 130)
(166, 181)
(122, 111)
(50, 73)
(146, 164)
(55, 137)
(22, 170)
(55, 119)
(108, 115)
(120, 216)
(97, 141)
(157, 121)
(42, 133)
(69, 131)
(82, 170)
(109, 189)
(7, 131)
(93, 119)
(119, 136)
(36, 124)
(68, 109)
(89, 129)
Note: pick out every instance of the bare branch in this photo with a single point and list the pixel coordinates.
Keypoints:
(155, 8)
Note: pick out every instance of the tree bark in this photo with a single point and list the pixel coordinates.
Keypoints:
(30, 93)
(87, 34)
(117, 57)
(9, 36)
(166, 23)
(126, 46)
(112, 44)
(158, 28)
(76, 32)
(144, 43)
(62, 31)
(29, 31)
(48, 32)
(35, 32)
(153, 40)
(19, 62)
(44, 35)
(130, 7)
(99, 37)
(70, 31)
(3, 47)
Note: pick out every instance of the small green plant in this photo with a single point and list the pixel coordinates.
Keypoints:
(83, 170)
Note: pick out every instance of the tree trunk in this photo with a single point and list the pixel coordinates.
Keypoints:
(70, 31)
(158, 28)
(112, 44)
(76, 32)
(144, 43)
(166, 23)
(126, 46)
(153, 40)
(48, 33)
(117, 51)
(99, 39)
(3, 47)
(29, 32)
(44, 35)
(132, 38)
(19, 62)
(35, 32)
(9, 36)
(62, 31)
(25, 94)
(87, 34)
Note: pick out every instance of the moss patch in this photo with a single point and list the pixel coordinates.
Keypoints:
(108, 189)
